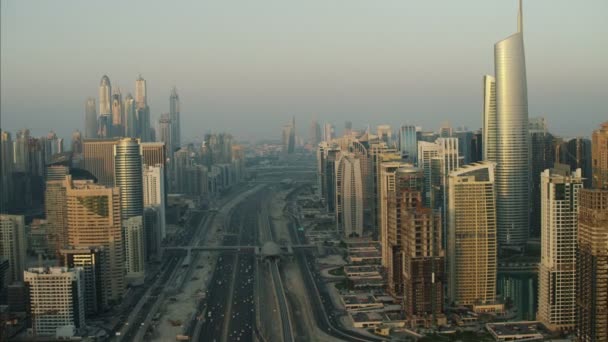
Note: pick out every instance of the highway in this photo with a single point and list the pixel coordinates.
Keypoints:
(286, 326)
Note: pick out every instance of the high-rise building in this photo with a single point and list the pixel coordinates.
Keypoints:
(314, 133)
(379, 153)
(128, 178)
(512, 146)
(559, 224)
(165, 131)
(6, 169)
(592, 266)
(89, 260)
(576, 152)
(130, 120)
(174, 116)
(155, 193)
(142, 110)
(76, 145)
(542, 157)
(105, 96)
(408, 143)
(94, 220)
(599, 156)
(331, 163)
(427, 151)
(55, 206)
(90, 119)
(349, 195)
(154, 153)
(141, 94)
(348, 128)
(117, 114)
(471, 247)
(465, 141)
(98, 159)
(385, 134)
(328, 132)
(13, 245)
(489, 130)
(56, 300)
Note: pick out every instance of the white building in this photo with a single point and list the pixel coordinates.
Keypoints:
(56, 300)
(559, 226)
(154, 193)
(13, 245)
(349, 195)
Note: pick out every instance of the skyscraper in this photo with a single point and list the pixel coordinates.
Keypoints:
(130, 123)
(94, 220)
(56, 299)
(165, 131)
(408, 143)
(592, 266)
(89, 260)
(117, 114)
(314, 133)
(349, 195)
(328, 132)
(105, 96)
(128, 178)
(489, 129)
(576, 152)
(386, 189)
(13, 245)
(55, 206)
(98, 159)
(542, 157)
(512, 168)
(142, 110)
(471, 245)
(141, 94)
(385, 133)
(90, 119)
(6, 169)
(174, 116)
(559, 224)
(155, 192)
(76, 145)
(599, 156)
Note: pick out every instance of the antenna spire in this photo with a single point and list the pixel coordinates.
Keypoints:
(520, 18)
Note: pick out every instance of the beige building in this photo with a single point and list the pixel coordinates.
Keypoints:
(98, 159)
(349, 195)
(94, 220)
(592, 266)
(599, 157)
(13, 245)
(55, 206)
(154, 153)
(472, 235)
(559, 224)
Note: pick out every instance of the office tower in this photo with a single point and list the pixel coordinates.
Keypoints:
(128, 178)
(314, 133)
(328, 132)
(289, 137)
(174, 116)
(576, 153)
(21, 151)
(90, 119)
(130, 120)
(94, 220)
(154, 193)
(56, 300)
(55, 206)
(142, 116)
(472, 235)
(6, 169)
(557, 270)
(445, 131)
(13, 245)
(427, 151)
(599, 157)
(512, 167)
(403, 190)
(141, 94)
(489, 130)
(165, 130)
(89, 260)
(378, 154)
(181, 160)
(592, 266)
(322, 148)
(105, 96)
(477, 147)
(423, 264)
(385, 133)
(117, 114)
(154, 153)
(51, 146)
(465, 139)
(348, 128)
(408, 143)
(542, 157)
(333, 156)
(76, 145)
(152, 233)
(349, 195)
(98, 159)
(104, 126)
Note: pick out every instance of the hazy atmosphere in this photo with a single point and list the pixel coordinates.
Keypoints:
(260, 62)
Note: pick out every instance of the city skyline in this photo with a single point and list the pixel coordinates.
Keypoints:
(230, 75)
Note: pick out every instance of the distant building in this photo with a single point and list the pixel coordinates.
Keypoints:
(105, 97)
(314, 133)
(385, 134)
(6, 169)
(131, 126)
(55, 206)
(408, 143)
(592, 266)
(117, 114)
(90, 119)
(76, 146)
(98, 159)
(349, 196)
(165, 131)
(328, 132)
(472, 247)
(56, 300)
(599, 156)
(174, 116)
(577, 154)
(155, 193)
(559, 224)
(542, 157)
(13, 245)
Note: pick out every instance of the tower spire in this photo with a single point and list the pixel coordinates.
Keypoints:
(520, 18)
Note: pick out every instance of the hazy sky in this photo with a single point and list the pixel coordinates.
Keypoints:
(248, 66)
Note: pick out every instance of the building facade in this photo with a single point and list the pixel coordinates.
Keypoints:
(349, 195)
(13, 245)
(599, 157)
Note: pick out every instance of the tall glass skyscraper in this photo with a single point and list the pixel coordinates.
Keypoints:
(175, 121)
(408, 143)
(105, 96)
(512, 170)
